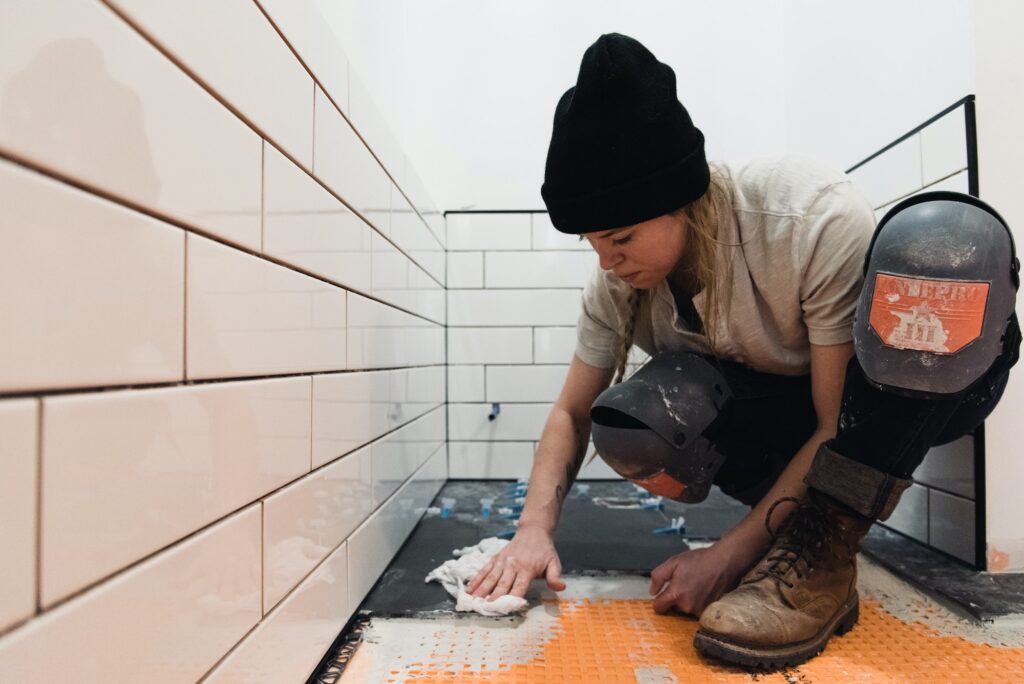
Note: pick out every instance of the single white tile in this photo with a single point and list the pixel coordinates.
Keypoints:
(289, 643)
(950, 467)
(69, 260)
(346, 166)
(911, 514)
(382, 336)
(308, 227)
(247, 316)
(232, 48)
(375, 543)
(477, 232)
(513, 307)
(412, 236)
(80, 83)
(465, 269)
(554, 345)
(466, 383)
(19, 458)
(307, 520)
(515, 422)
(397, 456)
(525, 383)
(539, 269)
(353, 409)
(400, 281)
(372, 126)
(951, 524)
(126, 473)
(168, 620)
(490, 460)
(546, 236)
(489, 345)
(309, 33)
(944, 147)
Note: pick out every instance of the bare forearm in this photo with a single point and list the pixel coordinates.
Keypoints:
(563, 445)
(749, 538)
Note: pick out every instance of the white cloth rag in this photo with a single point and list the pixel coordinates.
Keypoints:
(455, 574)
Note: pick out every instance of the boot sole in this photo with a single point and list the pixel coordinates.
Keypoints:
(778, 657)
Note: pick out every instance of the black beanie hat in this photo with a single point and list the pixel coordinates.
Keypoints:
(623, 149)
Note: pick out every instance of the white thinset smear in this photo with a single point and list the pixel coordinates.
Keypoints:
(909, 605)
(393, 648)
(654, 675)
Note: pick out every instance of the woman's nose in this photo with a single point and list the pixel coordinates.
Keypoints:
(608, 258)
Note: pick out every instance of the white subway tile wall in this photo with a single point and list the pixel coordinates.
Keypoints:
(85, 260)
(223, 372)
(939, 508)
(19, 424)
(307, 227)
(951, 524)
(513, 307)
(231, 48)
(490, 345)
(538, 269)
(546, 236)
(466, 383)
(489, 232)
(514, 292)
(128, 472)
(465, 270)
(80, 83)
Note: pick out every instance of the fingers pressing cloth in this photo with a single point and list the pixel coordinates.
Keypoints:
(455, 574)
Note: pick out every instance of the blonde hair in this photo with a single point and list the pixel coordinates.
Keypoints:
(702, 217)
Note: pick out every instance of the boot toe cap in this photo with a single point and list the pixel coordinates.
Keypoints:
(748, 624)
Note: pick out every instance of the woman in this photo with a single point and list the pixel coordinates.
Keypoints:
(754, 270)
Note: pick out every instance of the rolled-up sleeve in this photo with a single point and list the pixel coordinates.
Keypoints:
(836, 236)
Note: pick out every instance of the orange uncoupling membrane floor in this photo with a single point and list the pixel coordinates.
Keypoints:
(624, 641)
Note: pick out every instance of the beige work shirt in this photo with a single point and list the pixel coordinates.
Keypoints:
(793, 256)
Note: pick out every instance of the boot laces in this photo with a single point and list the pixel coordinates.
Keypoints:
(805, 534)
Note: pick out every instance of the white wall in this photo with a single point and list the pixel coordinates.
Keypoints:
(860, 74)
(222, 368)
(1000, 106)
(513, 299)
(481, 79)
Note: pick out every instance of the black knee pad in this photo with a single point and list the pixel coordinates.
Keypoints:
(941, 280)
(656, 428)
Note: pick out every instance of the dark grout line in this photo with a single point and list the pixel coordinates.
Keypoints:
(93, 389)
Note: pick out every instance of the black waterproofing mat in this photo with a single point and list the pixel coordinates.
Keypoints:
(594, 537)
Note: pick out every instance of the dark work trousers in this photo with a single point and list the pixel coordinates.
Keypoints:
(882, 436)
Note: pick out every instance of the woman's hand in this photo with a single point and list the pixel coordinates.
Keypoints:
(530, 554)
(691, 580)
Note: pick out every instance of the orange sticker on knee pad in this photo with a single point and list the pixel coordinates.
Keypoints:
(940, 316)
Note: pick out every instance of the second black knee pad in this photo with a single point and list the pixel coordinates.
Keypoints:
(656, 428)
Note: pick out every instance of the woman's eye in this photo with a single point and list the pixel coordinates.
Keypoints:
(622, 241)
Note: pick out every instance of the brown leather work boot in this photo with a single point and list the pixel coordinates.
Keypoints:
(804, 589)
